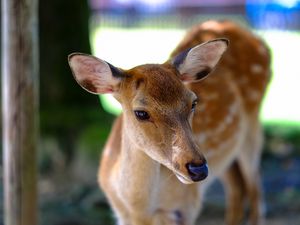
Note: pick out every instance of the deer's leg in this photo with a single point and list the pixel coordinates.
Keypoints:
(168, 218)
(120, 211)
(122, 216)
(175, 217)
(254, 194)
(249, 161)
(235, 194)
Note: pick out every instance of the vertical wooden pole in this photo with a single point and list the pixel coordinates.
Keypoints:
(19, 105)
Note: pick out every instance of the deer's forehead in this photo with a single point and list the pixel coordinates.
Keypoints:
(160, 84)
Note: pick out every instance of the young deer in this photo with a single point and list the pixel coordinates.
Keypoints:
(174, 125)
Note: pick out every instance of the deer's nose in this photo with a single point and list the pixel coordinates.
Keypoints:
(197, 172)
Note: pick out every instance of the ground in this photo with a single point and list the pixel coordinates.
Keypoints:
(72, 196)
(78, 204)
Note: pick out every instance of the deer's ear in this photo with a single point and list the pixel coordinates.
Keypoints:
(95, 75)
(196, 63)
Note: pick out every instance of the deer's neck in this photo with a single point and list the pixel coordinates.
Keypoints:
(139, 174)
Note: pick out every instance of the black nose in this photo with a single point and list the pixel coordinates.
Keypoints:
(197, 172)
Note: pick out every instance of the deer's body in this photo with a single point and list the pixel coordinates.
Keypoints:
(227, 127)
(149, 167)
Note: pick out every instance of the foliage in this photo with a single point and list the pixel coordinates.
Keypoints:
(282, 140)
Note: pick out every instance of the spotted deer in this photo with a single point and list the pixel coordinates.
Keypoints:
(176, 124)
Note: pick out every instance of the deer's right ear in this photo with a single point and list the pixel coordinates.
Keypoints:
(196, 63)
(95, 75)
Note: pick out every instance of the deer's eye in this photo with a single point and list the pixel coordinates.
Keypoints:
(194, 104)
(141, 115)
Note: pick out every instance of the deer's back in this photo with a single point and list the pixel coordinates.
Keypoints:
(230, 98)
(245, 63)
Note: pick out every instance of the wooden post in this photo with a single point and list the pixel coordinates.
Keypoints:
(19, 109)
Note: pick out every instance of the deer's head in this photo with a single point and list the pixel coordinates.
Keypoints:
(157, 106)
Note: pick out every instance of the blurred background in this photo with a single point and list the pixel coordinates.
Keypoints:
(74, 124)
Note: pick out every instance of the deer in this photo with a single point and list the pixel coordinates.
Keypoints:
(185, 123)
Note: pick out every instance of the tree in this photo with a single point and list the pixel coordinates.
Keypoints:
(64, 28)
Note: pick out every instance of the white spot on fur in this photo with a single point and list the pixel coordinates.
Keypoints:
(212, 96)
(262, 50)
(256, 68)
(176, 149)
(233, 108)
(212, 25)
(223, 145)
(221, 127)
(253, 95)
(228, 119)
(232, 111)
(201, 138)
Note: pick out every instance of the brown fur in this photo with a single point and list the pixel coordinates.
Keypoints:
(143, 170)
(245, 50)
(241, 76)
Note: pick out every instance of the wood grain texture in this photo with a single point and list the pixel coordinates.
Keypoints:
(19, 109)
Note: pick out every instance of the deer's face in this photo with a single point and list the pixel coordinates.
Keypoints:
(157, 111)
(157, 106)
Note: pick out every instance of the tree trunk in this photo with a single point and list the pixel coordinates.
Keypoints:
(20, 106)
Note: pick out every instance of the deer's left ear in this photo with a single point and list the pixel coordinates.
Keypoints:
(196, 63)
(95, 75)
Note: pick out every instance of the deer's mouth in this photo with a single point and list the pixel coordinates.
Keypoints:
(183, 179)
(196, 173)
